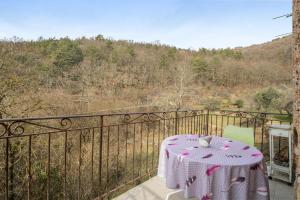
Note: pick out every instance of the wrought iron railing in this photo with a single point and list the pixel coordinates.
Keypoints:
(98, 156)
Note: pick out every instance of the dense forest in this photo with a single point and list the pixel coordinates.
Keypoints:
(63, 76)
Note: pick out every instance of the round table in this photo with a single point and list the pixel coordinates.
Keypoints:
(225, 170)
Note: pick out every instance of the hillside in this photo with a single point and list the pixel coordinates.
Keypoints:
(63, 76)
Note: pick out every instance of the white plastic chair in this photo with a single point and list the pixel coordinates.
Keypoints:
(176, 195)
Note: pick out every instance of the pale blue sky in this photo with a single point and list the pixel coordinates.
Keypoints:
(182, 23)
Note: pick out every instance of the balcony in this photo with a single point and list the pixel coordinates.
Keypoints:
(104, 156)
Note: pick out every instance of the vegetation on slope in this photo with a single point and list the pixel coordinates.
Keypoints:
(60, 76)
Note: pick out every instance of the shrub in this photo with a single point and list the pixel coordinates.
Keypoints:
(99, 37)
(213, 104)
(163, 63)
(67, 54)
(239, 103)
(96, 56)
(267, 99)
(199, 66)
(131, 52)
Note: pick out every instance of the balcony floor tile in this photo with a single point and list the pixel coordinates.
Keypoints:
(155, 189)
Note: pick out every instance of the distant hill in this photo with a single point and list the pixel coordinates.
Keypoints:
(59, 76)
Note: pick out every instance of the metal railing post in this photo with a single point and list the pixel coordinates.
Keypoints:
(100, 155)
(207, 121)
(176, 122)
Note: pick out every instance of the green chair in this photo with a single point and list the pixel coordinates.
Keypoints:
(244, 135)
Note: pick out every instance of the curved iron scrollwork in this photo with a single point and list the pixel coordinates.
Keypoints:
(66, 123)
(262, 115)
(196, 112)
(3, 129)
(16, 128)
(243, 114)
(126, 118)
(191, 113)
(145, 117)
(19, 127)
